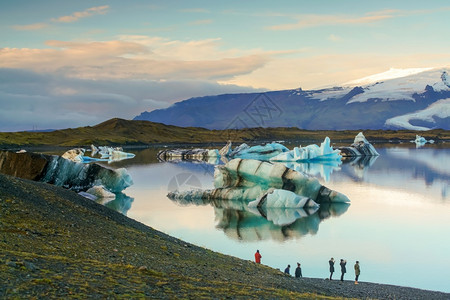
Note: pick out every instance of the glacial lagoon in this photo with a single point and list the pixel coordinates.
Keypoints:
(397, 224)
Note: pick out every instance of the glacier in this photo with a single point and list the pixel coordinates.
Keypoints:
(439, 109)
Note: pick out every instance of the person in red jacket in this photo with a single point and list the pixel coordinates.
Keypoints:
(258, 257)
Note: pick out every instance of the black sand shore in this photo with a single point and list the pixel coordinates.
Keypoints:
(57, 244)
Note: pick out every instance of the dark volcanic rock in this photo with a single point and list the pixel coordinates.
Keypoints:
(24, 165)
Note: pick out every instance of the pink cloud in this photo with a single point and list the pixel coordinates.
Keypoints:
(98, 10)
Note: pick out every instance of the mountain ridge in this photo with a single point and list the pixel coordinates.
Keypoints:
(336, 108)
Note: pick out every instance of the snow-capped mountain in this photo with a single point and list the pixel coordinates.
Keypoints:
(416, 99)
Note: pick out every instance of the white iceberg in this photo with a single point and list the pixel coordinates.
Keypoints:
(310, 153)
(420, 140)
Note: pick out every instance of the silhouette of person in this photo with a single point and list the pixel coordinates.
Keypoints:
(343, 268)
(298, 271)
(258, 257)
(331, 262)
(287, 270)
(357, 272)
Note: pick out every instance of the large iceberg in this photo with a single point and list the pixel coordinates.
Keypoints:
(248, 179)
(63, 172)
(310, 153)
(250, 173)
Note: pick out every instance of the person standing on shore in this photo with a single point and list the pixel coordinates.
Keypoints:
(357, 272)
(298, 271)
(331, 262)
(287, 270)
(343, 268)
(258, 257)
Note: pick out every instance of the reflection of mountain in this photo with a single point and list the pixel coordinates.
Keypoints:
(239, 223)
(424, 169)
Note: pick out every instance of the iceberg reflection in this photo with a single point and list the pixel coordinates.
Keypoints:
(122, 203)
(248, 224)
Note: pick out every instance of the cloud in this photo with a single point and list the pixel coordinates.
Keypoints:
(316, 20)
(35, 26)
(141, 58)
(50, 101)
(98, 10)
(319, 71)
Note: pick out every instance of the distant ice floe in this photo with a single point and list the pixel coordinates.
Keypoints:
(108, 154)
(420, 141)
(360, 147)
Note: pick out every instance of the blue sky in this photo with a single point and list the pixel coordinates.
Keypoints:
(76, 63)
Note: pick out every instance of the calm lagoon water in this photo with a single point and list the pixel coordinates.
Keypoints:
(397, 224)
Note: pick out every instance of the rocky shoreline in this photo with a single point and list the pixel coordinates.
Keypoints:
(57, 244)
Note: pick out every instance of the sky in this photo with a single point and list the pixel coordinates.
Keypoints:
(77, 63)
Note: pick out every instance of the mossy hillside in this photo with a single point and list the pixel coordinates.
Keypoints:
(125, 132)
(54, 243)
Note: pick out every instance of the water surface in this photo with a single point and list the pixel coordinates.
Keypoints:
(396, 224)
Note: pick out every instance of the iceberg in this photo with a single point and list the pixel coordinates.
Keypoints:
(249, 173)
(75, 155)
(360, 147)
(420, 141)
(108, 154)
(258, 152)
(310, 153)
(59, 171)
(101, 192)
(248, 179)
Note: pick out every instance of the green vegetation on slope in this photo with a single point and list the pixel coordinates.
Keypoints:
(124, 132)
(54, 243)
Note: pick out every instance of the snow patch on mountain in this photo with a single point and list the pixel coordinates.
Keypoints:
(444, 84)
(403, 88)
(440, 109)
(330, 93)
(392, 73)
